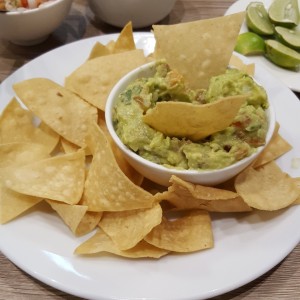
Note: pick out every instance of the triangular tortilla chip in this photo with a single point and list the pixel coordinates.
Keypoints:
(127, 228)
(79, 220)
(12, 204)
(266, 188)
(58, 178)
(106, 186)
(236, 62)
(18, 154)
(199, 49)
(191, 232)
(100, 242)
(59, 108)
(125, 42)
(193, 121)
(276, 147)
(17, 126)
(94, 79)
(185, 195)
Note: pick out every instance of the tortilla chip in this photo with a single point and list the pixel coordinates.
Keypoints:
(59, 108)
(189, 233)
(297, 182)
(236, 62)
(68, 147)
(125, 41)
(47, 136)
(70, 214)
(136, 177)
(185, 195)
(106, 186)
(17, 125)
(276, 147)
(101, 242)
(98, 50)
(13, 204)
(127, 228)
(94, 79)
(193, 121)
(88, 223)
(200, 49)
(18, 154)
(58, 178)
(266, 188)
(76, 217)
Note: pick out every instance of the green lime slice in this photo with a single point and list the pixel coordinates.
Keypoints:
(250, 43)
(282, 55)
(290, 37)
(284, 12)
(257, 19)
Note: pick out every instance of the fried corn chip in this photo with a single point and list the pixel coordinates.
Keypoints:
(106, 186)
(136, 177)
(185, 195)
(127, 228)
(99, 50)
(125, 42)
(276, 148)
(94, 79)
(17, 125)
(199, 49)
(13, 204)
(59, 108)
(297, 181)
(18, 154)
(236, 62)
(193, 121)
(88, 223)
(79, 220)
(189, 233)
(58, 178)
(101, 242)
(266, 188)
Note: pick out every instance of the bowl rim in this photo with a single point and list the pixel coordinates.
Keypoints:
(126, 79)
(34, 10)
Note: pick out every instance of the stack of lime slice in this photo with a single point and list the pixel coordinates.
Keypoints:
(284, 12)
(282, 55)
(258, 20)
(290, 37)
(273, 32)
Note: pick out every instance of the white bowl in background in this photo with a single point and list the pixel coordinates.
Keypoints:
(142, 13)
(160, 174)
(33, 26)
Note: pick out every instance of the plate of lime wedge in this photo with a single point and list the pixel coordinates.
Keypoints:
(270, 36)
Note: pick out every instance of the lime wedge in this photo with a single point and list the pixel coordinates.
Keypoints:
(257, 19)
(249, 43)
(290, 37)
(284, 12)
(282, 55)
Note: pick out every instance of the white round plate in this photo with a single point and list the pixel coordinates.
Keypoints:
(290, 78)
(246, 245)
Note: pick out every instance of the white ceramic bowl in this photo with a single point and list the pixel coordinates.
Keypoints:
(33, 26)
(159, 173)
(142, 13)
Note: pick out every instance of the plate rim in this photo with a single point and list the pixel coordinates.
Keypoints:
(58, 285)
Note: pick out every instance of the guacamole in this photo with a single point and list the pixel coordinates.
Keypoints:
(221, 149)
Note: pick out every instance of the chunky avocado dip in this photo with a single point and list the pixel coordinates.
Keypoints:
(221, 149)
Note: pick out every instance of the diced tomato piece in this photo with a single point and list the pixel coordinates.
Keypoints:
(24, 3)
